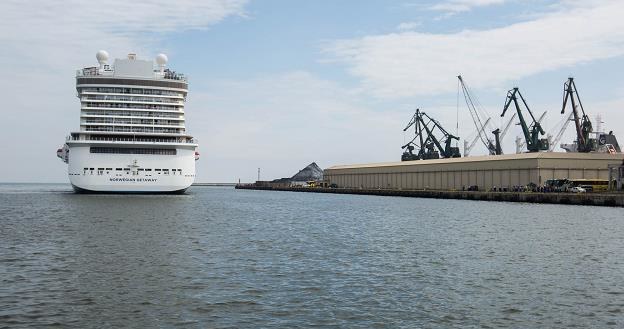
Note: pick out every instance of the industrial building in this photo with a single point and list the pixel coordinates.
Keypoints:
(486, 172)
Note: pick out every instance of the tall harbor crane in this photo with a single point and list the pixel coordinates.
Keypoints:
(428, 146)
(480, 120)
(531, 132)
(582, 123)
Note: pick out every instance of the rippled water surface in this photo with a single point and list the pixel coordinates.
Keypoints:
(224, 258)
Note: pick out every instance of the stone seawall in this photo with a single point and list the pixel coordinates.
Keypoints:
(591, 199)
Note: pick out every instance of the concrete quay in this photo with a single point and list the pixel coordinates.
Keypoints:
(590, 199)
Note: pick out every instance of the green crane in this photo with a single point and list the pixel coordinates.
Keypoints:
(428, 146)
(532, 132)
(582, 123)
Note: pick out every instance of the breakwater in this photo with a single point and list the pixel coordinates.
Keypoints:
(592, 199)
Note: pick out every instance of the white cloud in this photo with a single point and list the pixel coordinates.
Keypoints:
(47, 33)
(408, 26)
(415, 63)
(456, 6)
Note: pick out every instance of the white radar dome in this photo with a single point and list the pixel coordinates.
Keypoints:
(161, 59)
(102, 56)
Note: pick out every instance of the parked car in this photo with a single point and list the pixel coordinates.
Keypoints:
(577, 189)
(588, 188)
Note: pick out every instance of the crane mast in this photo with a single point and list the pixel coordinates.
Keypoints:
(498, 135)
(531, 132)
(582, 123)
(520, 144)
(474, 114)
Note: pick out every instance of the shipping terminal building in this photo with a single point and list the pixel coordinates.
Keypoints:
(486, 172)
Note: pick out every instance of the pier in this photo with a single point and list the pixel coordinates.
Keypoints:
(610, 199)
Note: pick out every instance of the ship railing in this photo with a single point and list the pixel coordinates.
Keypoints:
(172, 108)
(130, 99)
(134, 91)
(135, 130)
(136, 114)
(133, 139)
(153, 122)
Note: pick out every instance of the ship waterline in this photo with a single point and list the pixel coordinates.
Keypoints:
(132, 136)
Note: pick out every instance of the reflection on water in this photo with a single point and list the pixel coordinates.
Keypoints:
(218, 257)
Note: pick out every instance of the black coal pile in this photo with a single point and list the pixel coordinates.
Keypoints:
(312, 172)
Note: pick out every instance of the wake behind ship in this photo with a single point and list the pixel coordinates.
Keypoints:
(132, 136)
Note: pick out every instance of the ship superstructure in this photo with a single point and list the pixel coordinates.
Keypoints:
(132, 135)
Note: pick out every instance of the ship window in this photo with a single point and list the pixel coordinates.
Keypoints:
(119, 150)
(140, 169)
(109, 168)
(157, 169)
(148, 169)
(118, 169)
(100, 168)
(127, 169)
(86, 168)
(91, 168)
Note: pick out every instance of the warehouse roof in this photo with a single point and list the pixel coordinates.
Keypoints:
(482, 158)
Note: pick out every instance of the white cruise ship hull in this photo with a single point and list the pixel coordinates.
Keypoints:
(130, 173)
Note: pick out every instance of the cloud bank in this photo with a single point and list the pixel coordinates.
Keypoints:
(48, 32)
(456, 6)
(416, 63)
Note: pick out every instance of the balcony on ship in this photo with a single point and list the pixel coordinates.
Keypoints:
(130, 114)
(131, 139)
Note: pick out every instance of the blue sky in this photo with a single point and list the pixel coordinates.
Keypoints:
(279, 84)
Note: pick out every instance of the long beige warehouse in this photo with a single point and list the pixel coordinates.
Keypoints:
(484, 171)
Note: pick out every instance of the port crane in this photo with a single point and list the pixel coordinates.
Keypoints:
(428, 146)
(531, 132)
(582, 123)
(520, 144)
(480, 123)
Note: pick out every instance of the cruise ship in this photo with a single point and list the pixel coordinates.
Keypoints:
(132, 136)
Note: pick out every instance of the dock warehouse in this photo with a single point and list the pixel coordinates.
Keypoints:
(486, 171)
